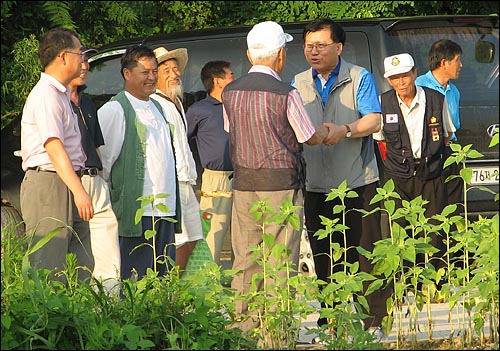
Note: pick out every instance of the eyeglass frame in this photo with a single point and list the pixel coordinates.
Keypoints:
(82, 54)
(319, 47)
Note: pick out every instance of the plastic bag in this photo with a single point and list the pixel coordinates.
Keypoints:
(201, 253)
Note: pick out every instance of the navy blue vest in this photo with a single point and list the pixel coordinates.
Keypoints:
(400, 162)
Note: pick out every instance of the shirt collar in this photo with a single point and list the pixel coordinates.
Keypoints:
(210, 99)
(335, 71)
(53, 81)
(418, 99)
(435, 84)
(160, 93)
(136, 101)
(264, 69)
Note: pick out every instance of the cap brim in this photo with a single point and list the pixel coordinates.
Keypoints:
(397, 71)
(288, 37)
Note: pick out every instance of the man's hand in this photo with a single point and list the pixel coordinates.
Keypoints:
(83, 203)
(319, 136)
(335, 133)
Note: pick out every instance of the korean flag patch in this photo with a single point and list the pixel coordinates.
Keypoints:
(391, 118)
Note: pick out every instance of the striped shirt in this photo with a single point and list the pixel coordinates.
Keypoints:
(296, 113)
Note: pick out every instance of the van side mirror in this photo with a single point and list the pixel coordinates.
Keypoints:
(485, 51)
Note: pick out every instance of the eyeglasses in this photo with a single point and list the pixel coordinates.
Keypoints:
(319, 47)
(82, 55)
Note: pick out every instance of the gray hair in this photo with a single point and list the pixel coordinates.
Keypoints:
(259, 56)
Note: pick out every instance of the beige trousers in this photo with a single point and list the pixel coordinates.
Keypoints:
(216, 198)
(247, 233)
(191, 220)
(103, 233)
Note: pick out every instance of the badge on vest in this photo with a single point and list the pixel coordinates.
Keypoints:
(433, 121)
(435, 134)
(391, 118)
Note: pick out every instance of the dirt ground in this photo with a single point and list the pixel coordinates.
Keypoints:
(441, 344)
(444, 344)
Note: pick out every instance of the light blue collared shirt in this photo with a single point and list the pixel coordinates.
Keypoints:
(450, 92)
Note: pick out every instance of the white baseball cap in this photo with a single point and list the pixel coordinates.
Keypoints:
(267, 36)
(398, 64)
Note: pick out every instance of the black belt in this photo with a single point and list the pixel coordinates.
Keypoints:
(91, 171)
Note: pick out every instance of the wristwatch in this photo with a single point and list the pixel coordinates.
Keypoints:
(348, 134)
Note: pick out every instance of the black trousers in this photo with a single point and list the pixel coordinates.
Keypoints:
(363, 231)
(455, 193)
(141, 258)
(454, 187)
(434, 191)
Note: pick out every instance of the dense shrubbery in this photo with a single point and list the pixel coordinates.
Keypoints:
(197, 312)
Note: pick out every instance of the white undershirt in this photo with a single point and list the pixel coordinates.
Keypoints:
(159, 164)
(414, 121)
(186, 166)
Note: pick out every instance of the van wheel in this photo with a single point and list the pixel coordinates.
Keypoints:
(12, 223)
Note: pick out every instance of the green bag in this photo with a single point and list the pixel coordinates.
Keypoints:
(201, 253)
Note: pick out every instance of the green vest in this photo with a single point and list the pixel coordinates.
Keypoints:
(127, 173)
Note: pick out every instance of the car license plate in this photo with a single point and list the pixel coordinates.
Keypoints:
(484, 175)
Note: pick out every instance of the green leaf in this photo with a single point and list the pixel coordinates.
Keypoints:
(450, 160)
(376, 198)
(466, 174)
(162, 207)
(150, 233)
(138, 215)
(494, 139)
(389, 186)
(6, 321)
(474, 154)
(449, 209)
(58, 14)
(294, 222)
(40, 243)
(338, 208)
(488, 190)
(390, 205)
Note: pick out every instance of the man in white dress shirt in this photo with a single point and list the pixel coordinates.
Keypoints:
(51, 193)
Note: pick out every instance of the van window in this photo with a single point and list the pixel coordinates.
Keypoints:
(234, 51)
(478, 82)
(104, 79)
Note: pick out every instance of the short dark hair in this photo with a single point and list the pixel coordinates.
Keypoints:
(336, 30)
(53, 42)
(211, 70)
(133, 54)
(442, 49)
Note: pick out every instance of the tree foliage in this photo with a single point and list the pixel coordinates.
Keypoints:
(22, 75)
(58, 14)
(103, 22)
